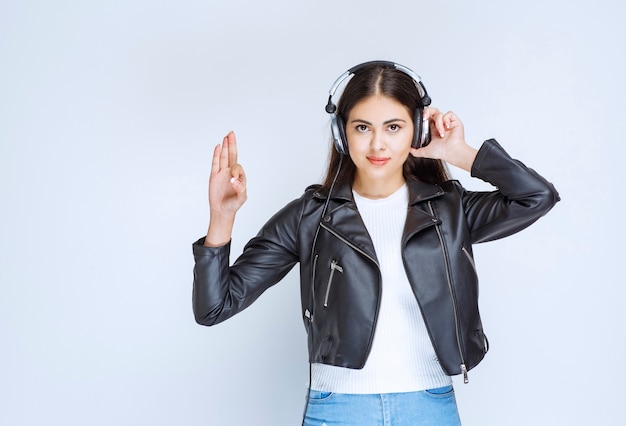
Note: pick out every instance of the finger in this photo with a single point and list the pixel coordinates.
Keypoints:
(438, 120)
(449, 119)
(238, 178)
(224, 153)
(232, 149)
(215, 163)
(236, 171)
(430, 112)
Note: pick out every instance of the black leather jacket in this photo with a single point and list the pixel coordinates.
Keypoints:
(339, 275)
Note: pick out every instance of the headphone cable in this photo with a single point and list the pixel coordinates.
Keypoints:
(330, 190)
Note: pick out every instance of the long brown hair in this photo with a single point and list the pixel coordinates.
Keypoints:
(379, 79)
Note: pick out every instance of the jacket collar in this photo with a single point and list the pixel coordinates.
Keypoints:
(418, 191)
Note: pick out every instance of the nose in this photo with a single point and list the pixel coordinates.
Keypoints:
(378, 142)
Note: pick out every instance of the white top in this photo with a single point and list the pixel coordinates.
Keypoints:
(402, 358)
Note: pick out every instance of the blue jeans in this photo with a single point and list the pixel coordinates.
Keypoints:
(436, 407)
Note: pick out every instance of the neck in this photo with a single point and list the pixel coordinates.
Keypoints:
(376, 189)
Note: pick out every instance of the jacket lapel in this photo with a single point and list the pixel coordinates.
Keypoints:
(343, 219)
(418, 216)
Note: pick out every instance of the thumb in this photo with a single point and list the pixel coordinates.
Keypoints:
(424, 152)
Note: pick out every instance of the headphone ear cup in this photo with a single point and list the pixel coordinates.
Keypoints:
(339, 134)
(421, 136)
(418, 133)
(342, 134)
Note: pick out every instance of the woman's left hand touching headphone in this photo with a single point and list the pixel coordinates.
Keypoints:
(447, 140)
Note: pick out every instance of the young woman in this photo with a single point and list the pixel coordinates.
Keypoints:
(389, 290)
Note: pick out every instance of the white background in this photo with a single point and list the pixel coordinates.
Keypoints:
(109, 112)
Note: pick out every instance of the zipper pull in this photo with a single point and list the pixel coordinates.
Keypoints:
(464, 371)
(334, 265)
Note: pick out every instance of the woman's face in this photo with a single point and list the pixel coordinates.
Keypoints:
(379, 130)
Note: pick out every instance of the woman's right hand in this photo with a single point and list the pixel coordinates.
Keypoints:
(227, 191)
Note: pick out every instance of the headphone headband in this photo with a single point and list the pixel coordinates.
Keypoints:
(337, 125)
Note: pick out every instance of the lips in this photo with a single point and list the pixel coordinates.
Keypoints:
(378, 161)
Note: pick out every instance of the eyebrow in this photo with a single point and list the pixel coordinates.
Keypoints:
(393, 120)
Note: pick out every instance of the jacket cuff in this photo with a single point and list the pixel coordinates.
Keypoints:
(483, 153)
(199, 250)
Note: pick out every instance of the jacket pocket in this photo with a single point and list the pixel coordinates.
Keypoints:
(334, 267)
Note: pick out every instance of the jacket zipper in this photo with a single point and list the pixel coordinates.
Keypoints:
(334, 266)
(307, 313)
(452, 298)
(469, 257)
(350, 244)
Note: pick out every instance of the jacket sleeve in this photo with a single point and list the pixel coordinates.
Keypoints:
(220, 290)
(522, 195)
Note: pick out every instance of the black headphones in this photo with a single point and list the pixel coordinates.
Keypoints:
(421, 136)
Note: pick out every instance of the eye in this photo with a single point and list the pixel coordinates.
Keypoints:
(362, 128)
(394, 127)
